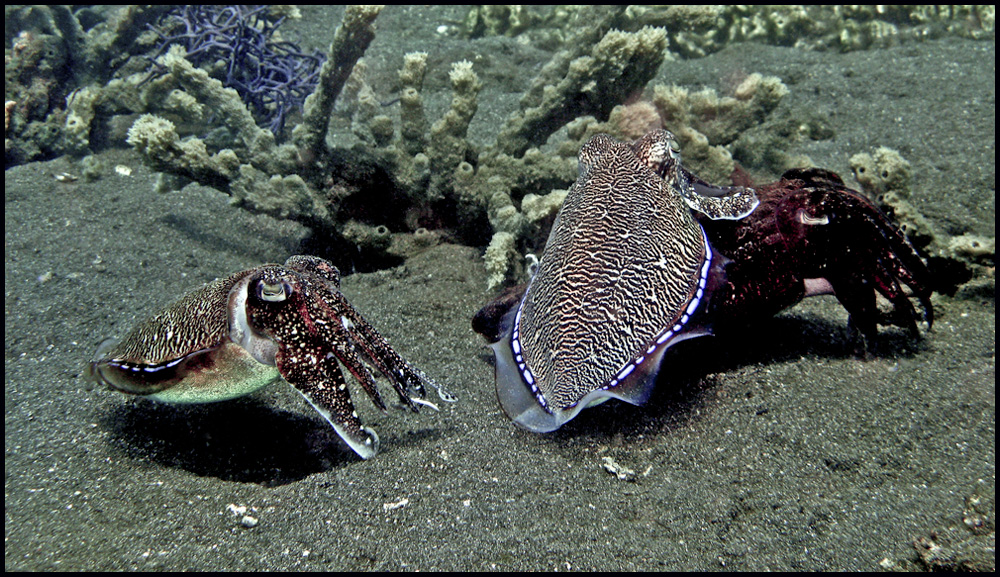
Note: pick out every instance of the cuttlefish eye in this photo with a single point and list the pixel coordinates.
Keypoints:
(273, 292)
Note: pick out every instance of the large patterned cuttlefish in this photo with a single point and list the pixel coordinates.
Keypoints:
(626, 273)
(250, 329)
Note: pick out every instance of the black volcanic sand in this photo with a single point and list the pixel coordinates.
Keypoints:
(772, 450)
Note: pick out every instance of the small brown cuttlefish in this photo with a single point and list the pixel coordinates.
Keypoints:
(235, 335)
(625, 274)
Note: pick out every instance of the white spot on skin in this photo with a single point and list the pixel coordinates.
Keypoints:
(806, 219)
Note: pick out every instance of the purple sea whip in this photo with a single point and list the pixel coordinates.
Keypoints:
(272, 77)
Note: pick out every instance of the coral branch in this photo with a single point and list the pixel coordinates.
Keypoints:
(157, 139)
(620, 64)
(352, 38)
(226, 102)
(413, 122)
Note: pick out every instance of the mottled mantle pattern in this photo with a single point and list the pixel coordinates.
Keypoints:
(627, 283)
(625, 270)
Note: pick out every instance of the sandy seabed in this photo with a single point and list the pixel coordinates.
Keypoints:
(774, 450)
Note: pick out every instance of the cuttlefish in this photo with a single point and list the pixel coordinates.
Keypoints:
(625, 275)
(258, 326)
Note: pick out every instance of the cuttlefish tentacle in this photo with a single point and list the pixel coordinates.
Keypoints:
(406, 379)
(320, 381)
(330, 303)
(311, 340)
